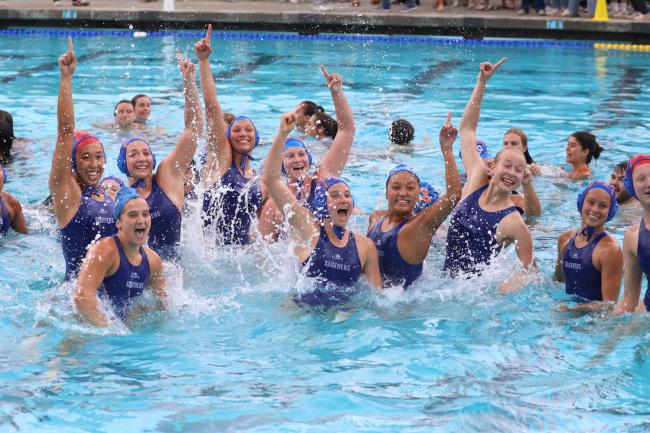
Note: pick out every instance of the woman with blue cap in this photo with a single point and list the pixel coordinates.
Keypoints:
(636, 243)
(83, 210)
(330, 253)
(120, 267)
(589, 261)
(233, 197)
(164, 189)
(401, 235)
(297, 161)
(11, 212)
(486, 220)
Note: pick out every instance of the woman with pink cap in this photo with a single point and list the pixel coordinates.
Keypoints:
(84, 212)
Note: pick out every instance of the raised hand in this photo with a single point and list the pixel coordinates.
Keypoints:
(202, 48)
(528, 177)
(334, 81)
(488, 69)
(186, 66)
(447, 134)
(68, 61)
(287, 122)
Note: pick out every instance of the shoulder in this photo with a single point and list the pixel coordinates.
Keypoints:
(513, 226)
(564, 237)
(103, 249)
(364, 243)
(155, 262)
(608, 245)
(631, 237)
(10, 200)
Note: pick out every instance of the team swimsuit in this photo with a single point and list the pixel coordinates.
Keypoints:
(643, 255)
(580, 276)
(5, 222)
(165, 233)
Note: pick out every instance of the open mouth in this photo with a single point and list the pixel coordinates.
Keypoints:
(140, 231)
(342, 212)
(508, 182)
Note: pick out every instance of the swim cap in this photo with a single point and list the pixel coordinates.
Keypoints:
(481, 148)
(632, 164)
(427, 196)
(242, 165)
(119, 181)
(79, 140)
(400, 168)
(121, 157)
(320, 196)
(613, 207)
(294, 142)
(123, 196)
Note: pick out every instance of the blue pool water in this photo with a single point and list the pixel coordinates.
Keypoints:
(233, 353)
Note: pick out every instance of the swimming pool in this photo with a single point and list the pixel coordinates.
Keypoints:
(234, 354)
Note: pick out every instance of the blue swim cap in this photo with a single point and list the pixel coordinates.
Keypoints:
(427, 196)
(121, 157)
(320, 196)
(5, 177)
(481, 148)
(613, 207)
(400, 168)
(633, 163)
(294, 142)
(257, 138)
(79, 140)
(123, 196)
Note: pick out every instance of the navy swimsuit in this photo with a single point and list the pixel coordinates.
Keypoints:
(165, 233)
(127, 282)
(5, 223)
(335, 271)
(643, 254)
(394, 269)
(93, 220)
(471, 241)
(580, 276)
(229, 206)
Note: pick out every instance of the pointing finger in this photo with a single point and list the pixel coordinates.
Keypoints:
(70, 46)
(208, 35)
(499, 63)
(322, 68)
(448, 122)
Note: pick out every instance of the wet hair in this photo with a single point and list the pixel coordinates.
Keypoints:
(311, 108)
(134, 100)
(6, 135)
(228, 117)
(588, 141)
(524, 141)
(401, 132)
(328, 123)
(621, 166)
(123, 101)
(498, 155)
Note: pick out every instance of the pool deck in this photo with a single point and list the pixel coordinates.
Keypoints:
(303, 17)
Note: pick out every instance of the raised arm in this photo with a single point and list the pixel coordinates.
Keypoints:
(532, 205)
(471, 159)
(95, 267)
(219, 155)
(65, 191)
(172, 168)
(415, 238)
(300, 218)
(334, 161)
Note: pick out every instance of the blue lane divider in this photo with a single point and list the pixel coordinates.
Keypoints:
(295, 36)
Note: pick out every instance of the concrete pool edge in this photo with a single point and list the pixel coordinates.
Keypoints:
(301, 18)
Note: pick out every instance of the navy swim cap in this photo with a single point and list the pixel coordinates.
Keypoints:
(613, 207)
(294, 142)
(320, 196)
(400, 168)
(123, 196)
(481, 148)
(121, 157)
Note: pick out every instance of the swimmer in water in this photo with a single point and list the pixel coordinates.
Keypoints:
(297, 161)
(11, 212)
(233, 196)
(304, 111)
(164, 188)
(142, 106)
(403, 237)
(111, 185)
(401, 134)
(636, 243)
(329, 252)
(6, 136)
(486, 219)
(83, 211)
(589, 261)
(322, 127)
(617, 181)
(581, 148)
(124, 115)
(120, 267)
